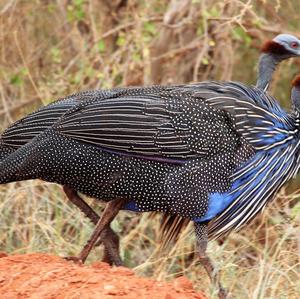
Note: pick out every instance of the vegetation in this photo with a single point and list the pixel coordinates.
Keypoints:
(49, 49)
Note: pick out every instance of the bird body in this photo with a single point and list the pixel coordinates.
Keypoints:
(207, 151)
(154, 149)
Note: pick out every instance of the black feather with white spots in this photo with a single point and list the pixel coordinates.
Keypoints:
(203, 152)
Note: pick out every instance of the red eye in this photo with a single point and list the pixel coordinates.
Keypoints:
(294, 45)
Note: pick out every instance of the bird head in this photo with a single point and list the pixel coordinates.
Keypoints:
(283, 46)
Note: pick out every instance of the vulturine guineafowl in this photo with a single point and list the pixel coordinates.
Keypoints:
(212, 153)
(274, 51)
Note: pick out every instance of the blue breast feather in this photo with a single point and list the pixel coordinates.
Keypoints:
(261, 177)
(218, 202)
(252, 178)
(131, 206)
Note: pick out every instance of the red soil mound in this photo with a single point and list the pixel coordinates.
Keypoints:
(41, 276)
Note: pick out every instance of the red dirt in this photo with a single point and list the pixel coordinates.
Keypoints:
(41, 276)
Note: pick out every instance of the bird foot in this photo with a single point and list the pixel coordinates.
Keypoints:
(74, 259)
(222, 294)
(112, 260)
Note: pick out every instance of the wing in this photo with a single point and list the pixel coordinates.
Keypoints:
(165, 124)
(25, 129)
(257, 117)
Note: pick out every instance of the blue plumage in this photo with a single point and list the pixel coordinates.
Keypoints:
(131, 206)
(254, 184)
(217, 203)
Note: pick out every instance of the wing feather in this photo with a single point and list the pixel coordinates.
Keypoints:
(129, 124)
(256, 115)
(170, 123)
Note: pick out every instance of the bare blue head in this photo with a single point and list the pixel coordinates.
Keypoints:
(290, 43)
(282, 47)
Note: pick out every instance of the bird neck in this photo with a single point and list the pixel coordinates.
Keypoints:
(266, 67)
(295, 96)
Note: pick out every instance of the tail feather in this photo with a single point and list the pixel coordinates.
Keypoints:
(21, 164)
(171, 227)
(5, 150)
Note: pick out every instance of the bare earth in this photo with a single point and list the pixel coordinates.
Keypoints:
(39, 276)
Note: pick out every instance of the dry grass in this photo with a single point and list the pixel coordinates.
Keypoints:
(49, 49)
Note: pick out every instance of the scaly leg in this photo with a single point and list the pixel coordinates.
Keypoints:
(111, 247)
(201, 235)
(108, 237)
(110, 212)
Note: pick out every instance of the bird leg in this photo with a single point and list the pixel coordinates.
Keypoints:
(111, 210)
(108, 237)
(111, 247)
(201, 236)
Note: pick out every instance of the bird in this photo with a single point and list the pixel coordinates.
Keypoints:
(282, 47)
(274, 51)
(214, 153)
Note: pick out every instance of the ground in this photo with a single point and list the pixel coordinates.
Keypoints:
(42, 276)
